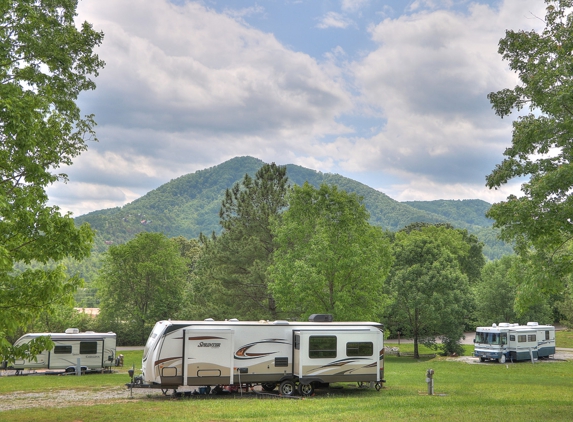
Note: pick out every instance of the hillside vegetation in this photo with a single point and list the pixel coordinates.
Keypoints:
(190, 204)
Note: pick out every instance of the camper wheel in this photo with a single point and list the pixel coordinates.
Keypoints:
(482, 359)
(269, 386)
(287, 388)
(305, 389)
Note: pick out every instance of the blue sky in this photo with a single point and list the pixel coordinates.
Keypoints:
(390, 93)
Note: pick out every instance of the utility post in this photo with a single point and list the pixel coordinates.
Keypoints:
(430, 381)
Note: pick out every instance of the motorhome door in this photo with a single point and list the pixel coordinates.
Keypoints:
(208, 356)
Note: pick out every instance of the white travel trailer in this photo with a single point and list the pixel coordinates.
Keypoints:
(96, 351)
(514, 342)
(270, 353)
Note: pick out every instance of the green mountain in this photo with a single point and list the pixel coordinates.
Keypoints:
(190, 204)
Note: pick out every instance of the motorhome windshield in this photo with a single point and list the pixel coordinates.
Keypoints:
(491, 338)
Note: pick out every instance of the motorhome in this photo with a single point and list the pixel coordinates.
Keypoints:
(296, 356)
(513, 342)
(96, 351)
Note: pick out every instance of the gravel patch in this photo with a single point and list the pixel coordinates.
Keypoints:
(64, 398)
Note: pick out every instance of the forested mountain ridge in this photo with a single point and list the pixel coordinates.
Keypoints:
(190, 204)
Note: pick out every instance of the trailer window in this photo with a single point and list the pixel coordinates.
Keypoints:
(511, 337)
(547, 335)
(365, 348)
(531, 337)
(88, 347)
(322, 347)
(504, 338)
(297, 342)
(522, 338)
(63, 350)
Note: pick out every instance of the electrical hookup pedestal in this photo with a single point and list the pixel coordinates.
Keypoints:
(430, 381)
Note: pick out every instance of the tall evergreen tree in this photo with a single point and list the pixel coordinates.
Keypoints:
(235, 263)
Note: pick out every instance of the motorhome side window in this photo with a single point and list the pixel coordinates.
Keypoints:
(88, 347)
(365, 348)
(322, 347)
(522, 338)
(504, 338)
(297, 342)
(532, 337)
(547, 335)
(511, 337)
(63, 350)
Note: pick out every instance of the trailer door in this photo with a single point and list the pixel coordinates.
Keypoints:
(208, 356)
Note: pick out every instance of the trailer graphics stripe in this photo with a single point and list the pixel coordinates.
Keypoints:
(242, 353)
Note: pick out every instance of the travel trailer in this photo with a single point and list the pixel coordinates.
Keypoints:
(296, 356)
(96, 351)
(513, 342)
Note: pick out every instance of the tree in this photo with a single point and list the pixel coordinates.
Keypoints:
(329, 258)
(542, 146)
(45, 62)
(235, 263)
(141, 282)
(430, 291)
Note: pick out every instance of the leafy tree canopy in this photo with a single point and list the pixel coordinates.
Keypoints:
(141, 282)
(542, 144)
(329, 259)
(45, 62)
(430, 292)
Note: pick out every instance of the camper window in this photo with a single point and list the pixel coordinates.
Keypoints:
(322, 347)
(547, 335)
(531, 337)
(63, 350)
(511, 337)
(522, 338)
(88, 347)
(359, 349)
(504, 338)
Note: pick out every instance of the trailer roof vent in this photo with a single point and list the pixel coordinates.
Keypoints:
(280, 322)
(208, 319)
(72, 330)
(504, 324)
(529, 324)
(320, 318)
(234, 320)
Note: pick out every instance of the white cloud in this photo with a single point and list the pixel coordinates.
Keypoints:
(353, 5)
(334, 20)
(429, 78)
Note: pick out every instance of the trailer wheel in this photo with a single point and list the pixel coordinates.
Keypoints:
(287, 388)
(502, 359)
(269, 386)
(305, 389)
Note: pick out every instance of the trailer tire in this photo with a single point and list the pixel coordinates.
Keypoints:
(269, 386)
(305, 389)
(502, 359)
(482, 359)
(287, 388)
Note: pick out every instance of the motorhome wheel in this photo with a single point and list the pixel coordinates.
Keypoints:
(305, 389)
(287, 388)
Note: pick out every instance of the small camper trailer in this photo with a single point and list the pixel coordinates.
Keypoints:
(96, 351)
(292, 355)
(513, 342)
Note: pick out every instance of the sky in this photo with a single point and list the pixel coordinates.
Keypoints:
(390, 93)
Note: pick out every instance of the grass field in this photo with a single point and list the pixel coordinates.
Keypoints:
(520, 391)
(564, 338)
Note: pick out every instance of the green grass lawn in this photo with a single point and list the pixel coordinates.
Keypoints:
(564, 338)
(520, 391)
